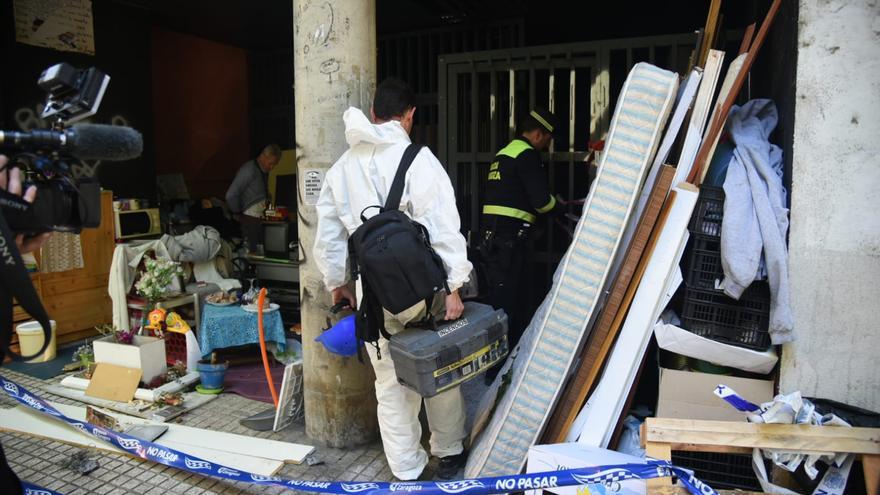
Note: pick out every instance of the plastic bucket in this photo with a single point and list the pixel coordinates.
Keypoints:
(30, 339)
(212, 374)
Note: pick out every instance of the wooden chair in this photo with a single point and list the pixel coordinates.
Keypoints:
(660, 436)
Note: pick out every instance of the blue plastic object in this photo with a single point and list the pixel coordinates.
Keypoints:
(212, 374)
(340, 338)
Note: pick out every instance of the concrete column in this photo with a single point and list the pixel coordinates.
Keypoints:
(835, 227)
(335, 67)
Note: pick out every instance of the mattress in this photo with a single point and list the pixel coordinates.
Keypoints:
(553, 337)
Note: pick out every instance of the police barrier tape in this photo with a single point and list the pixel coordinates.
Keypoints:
(606, 475)
(31, 489)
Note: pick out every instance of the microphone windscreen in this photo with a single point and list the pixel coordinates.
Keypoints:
(105, 142)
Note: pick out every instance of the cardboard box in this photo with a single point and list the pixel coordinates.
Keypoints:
(144, 353)
(690, 395)
(574, 455)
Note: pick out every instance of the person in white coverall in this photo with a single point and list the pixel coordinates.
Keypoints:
(362, 177)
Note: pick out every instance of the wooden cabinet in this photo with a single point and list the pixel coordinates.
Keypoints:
(77, 299)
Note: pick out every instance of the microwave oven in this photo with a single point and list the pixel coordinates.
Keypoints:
(137, 223)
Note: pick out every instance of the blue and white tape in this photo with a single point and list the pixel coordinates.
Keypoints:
(735, 400)
(481, 486)
(31, 489)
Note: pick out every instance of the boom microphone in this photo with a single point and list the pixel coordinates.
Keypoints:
(84, 141)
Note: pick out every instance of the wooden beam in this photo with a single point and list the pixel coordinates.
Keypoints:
(747, 39)
(659, 451)
(871, 467)
(721, 118)
(681, 434)
(710, 31)
(604, 332)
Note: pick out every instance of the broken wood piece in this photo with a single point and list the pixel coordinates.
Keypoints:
(710, 31)
(718, 125)
(747, 39)
(113, 382)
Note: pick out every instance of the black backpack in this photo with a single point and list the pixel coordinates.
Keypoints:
(392, 255)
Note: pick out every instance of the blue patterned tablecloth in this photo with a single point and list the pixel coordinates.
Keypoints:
(228, 326)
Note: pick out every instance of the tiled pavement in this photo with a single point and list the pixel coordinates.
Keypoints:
(37, 460)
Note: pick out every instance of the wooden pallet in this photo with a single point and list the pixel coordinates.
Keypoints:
(660, 436)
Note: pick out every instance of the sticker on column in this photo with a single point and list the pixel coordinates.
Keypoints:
(313, 178)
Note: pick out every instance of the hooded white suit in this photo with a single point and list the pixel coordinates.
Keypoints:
(361, 178)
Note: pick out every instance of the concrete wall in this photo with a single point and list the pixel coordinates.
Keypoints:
(835, 211)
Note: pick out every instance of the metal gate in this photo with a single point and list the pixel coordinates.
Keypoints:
(483, 94)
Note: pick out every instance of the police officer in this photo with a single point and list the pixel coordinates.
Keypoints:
(516, 193)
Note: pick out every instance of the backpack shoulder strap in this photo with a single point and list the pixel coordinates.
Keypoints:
(393, 201)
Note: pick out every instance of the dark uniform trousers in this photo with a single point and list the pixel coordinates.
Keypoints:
(504, 253)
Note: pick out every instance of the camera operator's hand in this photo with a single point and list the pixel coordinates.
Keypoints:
(10, 180)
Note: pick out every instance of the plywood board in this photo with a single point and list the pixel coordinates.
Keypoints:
(112, 382)
(593, 355)
(25, 420)
(699, 115)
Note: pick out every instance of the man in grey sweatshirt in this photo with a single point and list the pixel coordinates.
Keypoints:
(249, 191)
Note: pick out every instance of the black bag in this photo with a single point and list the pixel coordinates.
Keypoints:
(392, 255)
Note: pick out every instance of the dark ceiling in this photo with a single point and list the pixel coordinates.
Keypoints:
(267, 24)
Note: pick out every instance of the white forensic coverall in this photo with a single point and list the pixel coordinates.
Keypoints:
(362, 177)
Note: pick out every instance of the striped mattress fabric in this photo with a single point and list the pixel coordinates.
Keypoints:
(551, 341)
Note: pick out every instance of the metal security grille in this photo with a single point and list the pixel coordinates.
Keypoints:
(412, 56)
(482, 95)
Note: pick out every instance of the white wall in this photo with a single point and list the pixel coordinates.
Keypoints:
(835, 211)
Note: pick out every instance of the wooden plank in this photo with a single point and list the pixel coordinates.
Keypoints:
(871, 466)
(733, 71)
(24, 420)
(748, 35)
(699, 116)
(663, 452)
(604, 333)
(718, 123)
(681, 433)
(710, 31)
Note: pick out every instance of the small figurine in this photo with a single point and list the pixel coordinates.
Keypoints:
(174, 323)
(156, 319)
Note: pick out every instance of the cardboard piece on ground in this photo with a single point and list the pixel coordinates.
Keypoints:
(574, 455)
(688, 395)
(112, 382)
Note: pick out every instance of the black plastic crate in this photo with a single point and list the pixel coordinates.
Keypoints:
(714, 315)
(708, 212)
(703, 263)
(720, 471)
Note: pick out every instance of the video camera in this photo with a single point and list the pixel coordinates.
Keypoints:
(64, 203)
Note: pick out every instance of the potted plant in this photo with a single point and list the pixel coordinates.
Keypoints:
(155, 279)
(211, 374)
(124, 348)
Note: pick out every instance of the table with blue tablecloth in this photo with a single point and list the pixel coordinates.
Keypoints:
(229, 326)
